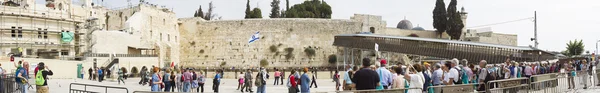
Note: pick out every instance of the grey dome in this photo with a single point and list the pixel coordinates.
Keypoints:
(418, 28)
(404, 24)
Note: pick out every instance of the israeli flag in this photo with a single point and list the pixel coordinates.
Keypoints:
(254, 37)
(376, 47)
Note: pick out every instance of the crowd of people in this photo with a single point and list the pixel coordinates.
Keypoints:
(21, 76)
(418, 78)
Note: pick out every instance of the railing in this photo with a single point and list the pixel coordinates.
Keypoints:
(461, 88)
(162, 92)
(8, 84)
(85, 88)
(402, 90)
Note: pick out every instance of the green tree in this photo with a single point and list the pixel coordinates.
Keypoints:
(310, 9)
(256, 13)
(332, 59)
(275, 9)
(199, 12)
(439, 17)
(248, 12)
(455, 24)
(574, 48)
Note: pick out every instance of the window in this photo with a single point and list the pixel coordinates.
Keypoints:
(13, 31)
(164, 22)
(151, 34)
(175, 38)
(45, 33)
(20, 32)
(160, 36)
(39, 33)
(64, 52)
(168, 37)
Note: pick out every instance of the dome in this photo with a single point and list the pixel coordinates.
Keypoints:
(418, 28)
(404, 24)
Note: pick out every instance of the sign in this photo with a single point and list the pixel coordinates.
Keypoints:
(376, 47)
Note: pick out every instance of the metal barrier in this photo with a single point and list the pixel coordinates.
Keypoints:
(163, 92)
(461, 88)
(410, 90)
(544, 86)
(85, 88)
(508, 86)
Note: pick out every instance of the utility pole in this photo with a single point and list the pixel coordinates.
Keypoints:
(535, 29)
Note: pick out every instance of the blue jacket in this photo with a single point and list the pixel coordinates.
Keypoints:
(304, 83)
(427, 81)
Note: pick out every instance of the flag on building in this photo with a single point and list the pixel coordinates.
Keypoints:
(254, 37)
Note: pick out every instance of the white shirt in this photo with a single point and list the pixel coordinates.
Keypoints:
(416, 81)
(447, 79)
(453, 74)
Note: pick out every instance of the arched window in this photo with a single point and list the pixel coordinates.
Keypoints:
(60, 6)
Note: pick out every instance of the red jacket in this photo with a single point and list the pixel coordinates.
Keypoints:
(293, 80)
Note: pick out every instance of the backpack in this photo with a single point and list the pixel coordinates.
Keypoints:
(289, 84)
(22, 71)
(39, 79)
(259, 80)
(460, 75)
(165, 78)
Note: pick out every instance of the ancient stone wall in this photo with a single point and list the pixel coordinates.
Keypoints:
(225, 42)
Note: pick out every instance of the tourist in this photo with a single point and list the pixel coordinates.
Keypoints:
(465, 72)
(194, 83)
(100, 74)
(447, 75)
(261, 80)
(143, 76)
(415, 78)
(436, 77)
(42, 81)
(201, 79)
(385, 75)
(399, 82)
(365, 78)
(179, 80)
(187, 80)
(120, 77)
(172, 82)
(314, 78)
(304, 80)
(292, 83)
(282, 76)
(155, 80)
(426, 76)
(528, 71)
(347, 79)
(584, 67)
(336, 79)
(82, 72)
(277, 75)
(248, 82)
(483, 76)
(217, 80)
(22, 77)
(240, 81)
(166, 80)
(90, 71)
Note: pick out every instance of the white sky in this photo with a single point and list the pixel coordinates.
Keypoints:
(558, 20)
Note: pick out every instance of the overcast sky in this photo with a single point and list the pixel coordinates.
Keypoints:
(558, 20)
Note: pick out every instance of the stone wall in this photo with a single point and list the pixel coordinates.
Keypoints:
(211, 43)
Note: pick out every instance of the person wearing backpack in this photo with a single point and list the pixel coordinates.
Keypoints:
(217, 80)
(484, 76)
(304, 82)
(248, 81)
(41, 79)
(260, 82)
(22, 77)
(453, 74)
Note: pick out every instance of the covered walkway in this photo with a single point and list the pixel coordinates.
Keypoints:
(472, 51)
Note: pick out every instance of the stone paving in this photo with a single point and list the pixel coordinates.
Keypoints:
(227, 86)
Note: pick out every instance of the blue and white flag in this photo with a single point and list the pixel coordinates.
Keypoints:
(254, 37)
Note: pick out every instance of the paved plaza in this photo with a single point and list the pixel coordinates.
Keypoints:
(230, 85)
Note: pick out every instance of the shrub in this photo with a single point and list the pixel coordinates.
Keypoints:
(223, 64)
(264, 63)
(289, 54)
(310, 52)
(332, 58)
(273, 48)
(124, 69)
